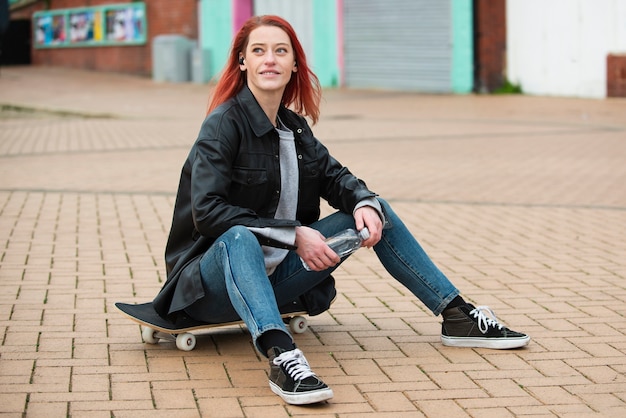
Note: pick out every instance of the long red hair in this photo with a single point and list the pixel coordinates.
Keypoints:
(302, 93)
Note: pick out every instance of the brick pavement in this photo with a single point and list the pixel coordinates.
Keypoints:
(520, 200)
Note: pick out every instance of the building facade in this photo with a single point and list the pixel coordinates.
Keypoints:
(567, 47)
(55, 45)
(414, 45)
(443, 46)
(349, 43)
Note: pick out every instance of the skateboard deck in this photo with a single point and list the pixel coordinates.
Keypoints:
(156, 328)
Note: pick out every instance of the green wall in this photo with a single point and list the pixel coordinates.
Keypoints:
(326, 65)
(216, 33)
(462, 73)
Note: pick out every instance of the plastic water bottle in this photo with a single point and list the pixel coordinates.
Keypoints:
(345, 242)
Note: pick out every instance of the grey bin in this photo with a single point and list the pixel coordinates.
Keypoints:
(200, 65)
(171, 58)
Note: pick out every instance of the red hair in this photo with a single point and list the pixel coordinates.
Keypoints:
(302, 93)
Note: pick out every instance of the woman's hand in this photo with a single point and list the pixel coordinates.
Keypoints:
(313, 250)
(367, 217)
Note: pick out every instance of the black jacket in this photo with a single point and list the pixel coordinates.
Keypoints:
(232, 177)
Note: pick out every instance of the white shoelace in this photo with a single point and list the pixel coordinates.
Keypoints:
(484, 321)
(295, 364)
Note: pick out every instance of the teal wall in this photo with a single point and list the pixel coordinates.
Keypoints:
(216, 32)
(462, 72)
(325, 48)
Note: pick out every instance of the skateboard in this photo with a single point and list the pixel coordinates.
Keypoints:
(155, 328)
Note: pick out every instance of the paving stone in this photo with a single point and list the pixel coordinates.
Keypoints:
(520, 200)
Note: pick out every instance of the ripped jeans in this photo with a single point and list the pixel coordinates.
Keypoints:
(237, 286)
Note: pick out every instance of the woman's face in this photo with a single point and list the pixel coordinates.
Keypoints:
(268, 60)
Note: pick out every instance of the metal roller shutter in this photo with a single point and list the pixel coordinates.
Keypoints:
(398, 44)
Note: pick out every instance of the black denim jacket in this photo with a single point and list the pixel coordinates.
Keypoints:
(232, 177)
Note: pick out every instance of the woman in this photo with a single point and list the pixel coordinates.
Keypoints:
(247, 215)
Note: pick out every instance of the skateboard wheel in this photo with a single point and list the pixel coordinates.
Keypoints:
(186, 341)
(298, 324)
(149, 335)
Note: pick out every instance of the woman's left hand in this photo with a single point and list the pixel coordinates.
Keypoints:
(313, 250)
(367, 217)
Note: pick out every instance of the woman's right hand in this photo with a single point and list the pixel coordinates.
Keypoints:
(313, 250)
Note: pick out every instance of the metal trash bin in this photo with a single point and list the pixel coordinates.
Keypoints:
(171, 58)
(200, 65)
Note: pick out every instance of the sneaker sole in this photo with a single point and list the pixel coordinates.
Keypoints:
(493, 343)
(303, 398)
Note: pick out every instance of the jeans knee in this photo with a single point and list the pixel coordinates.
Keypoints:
(240, 241)
(239, 232)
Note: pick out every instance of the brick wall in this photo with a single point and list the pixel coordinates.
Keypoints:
(162, 16)
(489, 44)
(616, 75)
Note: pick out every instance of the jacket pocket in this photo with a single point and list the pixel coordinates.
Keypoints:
(250, 188)
(249, 176)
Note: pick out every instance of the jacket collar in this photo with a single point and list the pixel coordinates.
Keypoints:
(259, 122)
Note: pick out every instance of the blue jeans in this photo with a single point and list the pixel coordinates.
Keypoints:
(236, 289)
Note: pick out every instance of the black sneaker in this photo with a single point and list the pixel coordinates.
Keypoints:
(467, 326)
(291, 378)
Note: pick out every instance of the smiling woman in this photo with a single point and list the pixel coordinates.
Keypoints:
(247, 215)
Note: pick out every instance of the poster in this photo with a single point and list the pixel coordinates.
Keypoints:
(50, 30)
(123, 25)
(82, 26)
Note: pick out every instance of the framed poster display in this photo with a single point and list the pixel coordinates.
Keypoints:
(106, 25)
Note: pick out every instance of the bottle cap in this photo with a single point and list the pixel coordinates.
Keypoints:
(364, 233)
